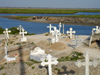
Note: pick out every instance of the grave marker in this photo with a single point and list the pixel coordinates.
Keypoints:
(19, 28)
(50, 28)
(55, 33)
(59, 26)
(77, 40)
(71, 32)
(96, 30)
(63, 28)
(6, 33)
(23, 39)
(87, 63)
(6, 52)
(50, 62)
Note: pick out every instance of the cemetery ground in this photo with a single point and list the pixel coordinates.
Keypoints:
(64, 50)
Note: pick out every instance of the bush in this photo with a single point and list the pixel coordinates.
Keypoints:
(3, 74)
(46, 34)
(33, 67)
(14, 30)
(57, 69)
(2, 67)
(1, 30)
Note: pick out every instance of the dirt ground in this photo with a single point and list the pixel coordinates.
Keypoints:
(59, 49)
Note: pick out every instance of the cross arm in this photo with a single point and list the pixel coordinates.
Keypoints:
(79, 63)
(44, 63)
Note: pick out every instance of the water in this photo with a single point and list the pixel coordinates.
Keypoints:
(39, 28)
(79, 13)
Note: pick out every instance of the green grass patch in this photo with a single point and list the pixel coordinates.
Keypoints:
(29, 63)
(72, 57)
(34, 61)
(45, 11)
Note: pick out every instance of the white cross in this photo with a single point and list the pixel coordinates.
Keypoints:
(6, 33)
(50, 61)
(6, 52)
(56, 33)
(59, 26)
(71, 32)
(23, 32)
(97, 30)
(50, 28)
(19, 28)
(76, 40)
(86, 63)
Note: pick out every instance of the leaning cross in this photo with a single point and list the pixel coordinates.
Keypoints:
(19, 28)
(59, 26)
(23, 32)
(71, 32)
(76, 40)
(50, 61)
(86, 63)
(6, 33)
(50, 28)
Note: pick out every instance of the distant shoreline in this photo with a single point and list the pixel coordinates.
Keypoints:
(52, 20)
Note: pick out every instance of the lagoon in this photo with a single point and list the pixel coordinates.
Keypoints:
(39, 28)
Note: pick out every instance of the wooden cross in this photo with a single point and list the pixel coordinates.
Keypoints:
(87, 63)
(6, 33)
(50, 28)
(50, 61)
(71, 32)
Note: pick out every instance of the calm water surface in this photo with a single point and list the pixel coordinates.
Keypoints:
(79, 13)
(39, 28)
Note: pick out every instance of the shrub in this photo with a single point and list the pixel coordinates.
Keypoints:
(14, 63)
(46, 34)
(33, 67)
(14, 30)
(29, 63)
(1, 30)
(32, 43)
(57, 69)
(2, 67)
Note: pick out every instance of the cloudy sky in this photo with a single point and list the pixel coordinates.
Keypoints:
(51, 3)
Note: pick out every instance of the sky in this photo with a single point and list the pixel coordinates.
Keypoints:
(51, 3)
